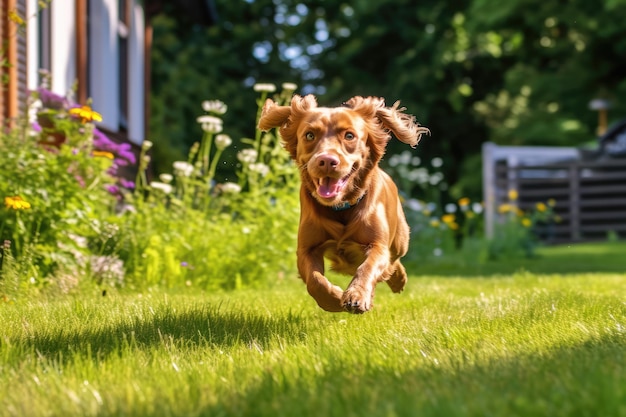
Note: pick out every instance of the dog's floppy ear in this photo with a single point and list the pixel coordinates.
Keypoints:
(392, 119)
(404, 126)
(273, 115)
(286, 118)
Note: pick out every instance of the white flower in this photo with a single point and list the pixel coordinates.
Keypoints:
(269, 88)
(436, 162)
(222, 141)
(289, 86)
(146, 145)
(414, 204)
(477, 208)
(450, 208)
(214, 106)
(405, 158)
(107, 269)
(210, 124)
(436, 178)
(166, 178)
(419, 175)
(261, 168)
(182, 168)
(166, 188)
(247, 156)
(33, 110)
(230, 188)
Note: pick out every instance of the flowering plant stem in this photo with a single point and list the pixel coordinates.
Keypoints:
(258, 133)
(213, 166)
(205, 152)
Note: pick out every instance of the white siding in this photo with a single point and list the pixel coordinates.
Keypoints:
(103, 71)
(63, 65)
(33, 45)
(136, 76)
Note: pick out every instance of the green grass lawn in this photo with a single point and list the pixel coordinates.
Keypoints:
(545, 340)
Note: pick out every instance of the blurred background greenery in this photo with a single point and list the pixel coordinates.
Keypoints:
(519, 72)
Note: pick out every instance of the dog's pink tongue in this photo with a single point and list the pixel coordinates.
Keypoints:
(328, 187)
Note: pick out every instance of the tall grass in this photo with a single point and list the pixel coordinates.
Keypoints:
(522, 344)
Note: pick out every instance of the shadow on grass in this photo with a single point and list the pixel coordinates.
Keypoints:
(605, 257)
(581, 380)
(199, 326)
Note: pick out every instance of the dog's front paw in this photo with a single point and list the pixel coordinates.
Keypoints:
(357, 300)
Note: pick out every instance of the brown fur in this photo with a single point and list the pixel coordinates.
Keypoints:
(338, 151)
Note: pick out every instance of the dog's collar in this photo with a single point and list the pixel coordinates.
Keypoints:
(346, 205)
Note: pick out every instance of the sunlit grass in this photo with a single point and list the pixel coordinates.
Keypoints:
(521, 344)
(559, 259)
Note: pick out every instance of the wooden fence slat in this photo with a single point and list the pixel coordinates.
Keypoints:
(590, 196)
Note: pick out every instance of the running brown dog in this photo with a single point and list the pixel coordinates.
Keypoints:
(350, 208)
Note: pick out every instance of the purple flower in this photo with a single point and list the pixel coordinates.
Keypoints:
(113, 189)
(122, 150)
(102, 142)
(36, 127)
(121, 162)
(51, 100)
(80, 180)
(112, 171)
(125, 151)
(127, 184)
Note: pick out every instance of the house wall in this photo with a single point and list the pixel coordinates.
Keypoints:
(136, 84)
(102, 66)
(103, 69)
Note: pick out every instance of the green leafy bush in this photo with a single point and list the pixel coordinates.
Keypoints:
(68, 218)
(53, 187)
(188, 229)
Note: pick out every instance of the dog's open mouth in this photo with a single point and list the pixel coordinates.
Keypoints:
(330, 188)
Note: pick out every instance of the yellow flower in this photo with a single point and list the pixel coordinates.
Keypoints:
(541, 207)
(453, 226)
(505, 208)
(435, 223)
(519, 212)
(470, 214)
(464, 202)
(513, 195)
(103, 154)
(552, 202)
(448, 219)
(86, 114)
(16, 18)
(16, 203)
(526, 222)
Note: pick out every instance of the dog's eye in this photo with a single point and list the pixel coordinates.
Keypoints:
(309, 136)
(349, 136)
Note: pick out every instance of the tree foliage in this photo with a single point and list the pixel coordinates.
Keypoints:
(519, 72)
